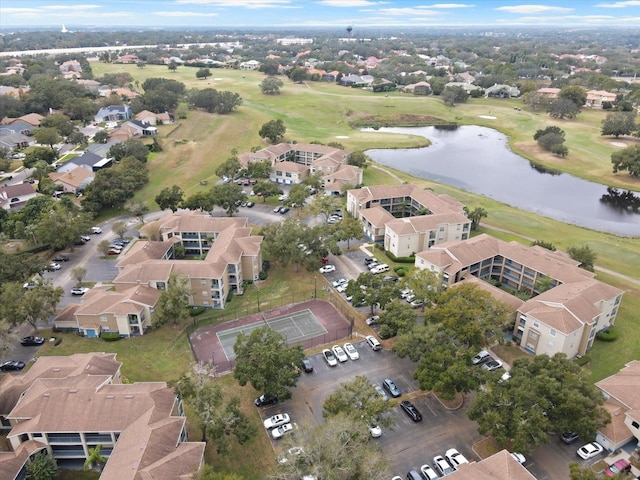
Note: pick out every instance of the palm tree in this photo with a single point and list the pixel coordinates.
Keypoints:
(95, 458)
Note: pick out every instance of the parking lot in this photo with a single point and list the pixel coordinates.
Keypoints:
(408, 444)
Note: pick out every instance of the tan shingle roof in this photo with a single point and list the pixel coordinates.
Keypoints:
(142, 251)
(499, 466)
(624, 386)
(290, 167)
(616, 430)
(74, 177)
(435, 203)
(377, 216)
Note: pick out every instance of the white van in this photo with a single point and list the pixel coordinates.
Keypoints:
(383, 267)
(373, 342)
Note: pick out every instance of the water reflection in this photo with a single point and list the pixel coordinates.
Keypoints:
(622, 200)
(543, 169)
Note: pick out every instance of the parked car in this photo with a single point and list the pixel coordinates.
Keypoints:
(11, 365)
(372, 320)
(390, 278)
(250, 204)
(290, 454)
(569, 437)
(281, 431)
(79, 242)
(86, 238)
(339, 353)
(79, 290)
(455, 458)
(96, 230)
(390, 386)
(32, 341)
(380, 391)
(341, 281)
(53, 266)
(413, 475)
(277, 209)
(114, 251)
(428, 473)
(416, 303)
(481, 357)
(284, 210)
(518, 457)
(368, 260)
(589, 450)
(442, 466)
(265, 399)
(29, 285)
(276, 420)
(329, 357)
(351, 351)
(327, 269)
(61, 258)
(620, 466)
(411, 410)
(373, 342)
(307, 366)
(375, 431)
(492, 365)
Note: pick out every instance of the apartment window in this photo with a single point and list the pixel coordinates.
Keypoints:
(533, 335)
(635, 425)
(279, 174)
(536, 323)
(288, 174)
(552, 332)
(103, 318)
(204, 293)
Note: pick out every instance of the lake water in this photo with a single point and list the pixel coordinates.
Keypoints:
(478, 159)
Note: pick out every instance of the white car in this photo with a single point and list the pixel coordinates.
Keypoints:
(406, 292)
(342, 288)
(339, 353)
(327, 269)
(282, 430)
(492, 365)
(428, 472)
(276, 421)
(372, 320)
(79, 290)
(96, 230)
(53, 266)
(341, 281)
(380, 391)
(589, 450)
(518, 457)
(375, 431)
(329, 357)
(455, 458)
(442, 466)
(290, 454)
(352, 352)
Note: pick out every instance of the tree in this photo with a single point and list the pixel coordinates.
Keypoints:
(229, 168)
(349, 454)
(260, 169)
(77, 138)
(270, 67)
(549, 130)
(47, 136)
(369, 289)
(359, 159)
(36, 154)
(358, 399)
(174, 301)
(228, 196)
(199, 201)
(119, 227)
(563, 108)
(425, 285)
(130, 148)
(271, 86)
(397, 318)
(8, 338)
(476, 215)
(42, 467)
(627, 159)
(297, 195)
(101, 136)
(584, 255)
(453, 95)
(264, 360)
(203, 73)
(350, 228)
(267, 189)
(38, 304)
(274, 130)
(324, 205)
(298, 75)
(544, 394)
(619, 123)
(575, 93)
(78, 274)
(169, 197)
(138, 210)
(95, 459)
(62, 226)
(59, 122)
(173, 66)
(103, 247)
(219, 416)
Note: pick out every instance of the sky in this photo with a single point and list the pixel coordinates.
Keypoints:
(316, 13)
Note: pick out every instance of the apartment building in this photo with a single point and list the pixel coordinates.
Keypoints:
(568, 306)
(66, 406)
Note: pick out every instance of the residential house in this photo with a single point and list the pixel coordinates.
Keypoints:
(70, 66)
(340, 178)
(231, 256)
(101, 149)
(124, 132)
(13, 197)
(330, 76)
(465, 77)
(502, 91)
(596, 98)
(289, 173)
(499, 466)
(89, 161)
(354, 80)
(68, 405)
(294, 41)
(250, 65)
(467, 87)
(72, 181)
(142, 129)
(622, 400)
(127, 312)
(128, 58)
(549, 92)
(151, 118)
(13, 140)
(113, 113)
(420, 88)
(568, 305)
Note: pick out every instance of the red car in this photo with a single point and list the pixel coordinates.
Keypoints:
(621, 465)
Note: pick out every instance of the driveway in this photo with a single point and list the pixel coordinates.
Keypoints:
(408, 444)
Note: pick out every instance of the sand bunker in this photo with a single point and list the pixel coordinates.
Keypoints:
(488, 117)
(342, 136)
(618, 144)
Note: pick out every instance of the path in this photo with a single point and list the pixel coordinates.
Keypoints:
(391, 174)
(598, 269)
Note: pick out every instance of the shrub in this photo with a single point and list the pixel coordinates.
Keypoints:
(582, 361)
(195, 311)
(608, 335)
(110, 336)
(400, 271)
(393, 258)
(263, 275)
(57, 342)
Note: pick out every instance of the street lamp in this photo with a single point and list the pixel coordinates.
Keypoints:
(315, 287)
(258, 290)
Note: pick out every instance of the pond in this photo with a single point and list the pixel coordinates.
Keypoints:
(478, 159)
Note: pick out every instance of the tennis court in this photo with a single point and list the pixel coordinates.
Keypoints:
(294, 327)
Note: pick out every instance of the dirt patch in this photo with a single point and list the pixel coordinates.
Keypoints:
(13, 246)
(486, 447)
(510, 353)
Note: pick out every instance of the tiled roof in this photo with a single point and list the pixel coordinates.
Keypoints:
(616, 430)
(74, 178)
(624, 386)
(141, 251)
(291, 167)
(499, 466)
(437, 204)
(377, 216)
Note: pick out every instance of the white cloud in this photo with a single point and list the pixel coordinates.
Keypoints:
(70, 7)
(185, 14)
(347, 3)
(451, 5)
(572, 20)
(419, 11)
(238, 3)
(628, 3)
(528, 9)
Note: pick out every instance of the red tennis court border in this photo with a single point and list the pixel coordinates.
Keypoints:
(207, 348)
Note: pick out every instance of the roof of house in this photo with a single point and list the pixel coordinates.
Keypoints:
(291, 167)
(424, 223)
(624, 386)
(74, 178)
(499, 466)
(615, 430)
(377, 216)
(435, 203)
(32, 119)
(131, 300)
(146, 250)
(12, 462)
(192, 221)
(87, 158)
(17, 190)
